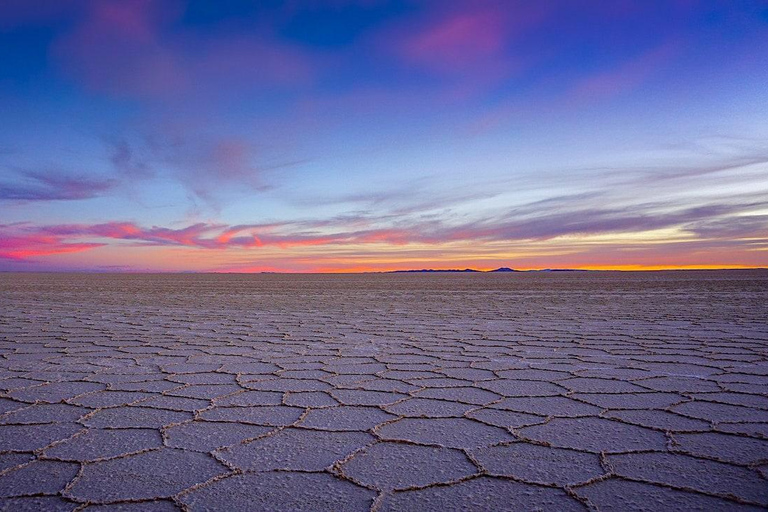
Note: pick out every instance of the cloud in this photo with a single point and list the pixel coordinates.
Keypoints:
(208, 165)
(23, 247)
(738, 227)
(556, 232)
(457, 42)
(454, 38)
(624, 77)
(462, 50)
(212, 166)
(534, 223)
(50, 186)
(135, 48)
(127, 163)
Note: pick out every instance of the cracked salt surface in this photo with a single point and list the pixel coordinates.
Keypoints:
(605, 391)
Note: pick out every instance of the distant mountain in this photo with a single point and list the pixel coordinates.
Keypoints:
(500, 269)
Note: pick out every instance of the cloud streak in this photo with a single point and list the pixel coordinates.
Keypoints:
(53, 186)
(538, 223)
(25, 247)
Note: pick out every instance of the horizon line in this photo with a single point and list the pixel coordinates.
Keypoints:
(626, 268)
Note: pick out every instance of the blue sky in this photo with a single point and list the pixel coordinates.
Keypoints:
(372, 135)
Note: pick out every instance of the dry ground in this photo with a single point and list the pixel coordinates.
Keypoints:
(551, 391)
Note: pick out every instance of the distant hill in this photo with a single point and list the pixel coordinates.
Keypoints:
(504, 269)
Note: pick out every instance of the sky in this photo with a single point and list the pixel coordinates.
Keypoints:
(365, 135)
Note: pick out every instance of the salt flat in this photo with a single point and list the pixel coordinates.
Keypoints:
(549, 391)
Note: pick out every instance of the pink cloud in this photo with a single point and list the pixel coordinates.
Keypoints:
(207, 236)
(24, 247)
(117, 48)
(133, 48)
(201, 235)
(470, 39)
(209, 165)
(191, 236)
(232, 158)
(469, 47)
(626, 76)
(715, 224)
(458, 42)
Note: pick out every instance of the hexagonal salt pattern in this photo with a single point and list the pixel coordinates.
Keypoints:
(607, 391)
(401, 465)
(282, 491)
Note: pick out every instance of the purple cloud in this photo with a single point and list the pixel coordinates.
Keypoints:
(134, 48)
(47, 186)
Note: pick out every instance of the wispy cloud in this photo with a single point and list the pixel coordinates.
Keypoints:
(213, 167)
(535, 223)
(624, 77)
(458, 42)
(53, 185)
(127, 163)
